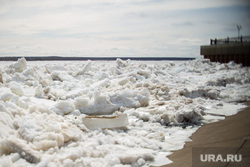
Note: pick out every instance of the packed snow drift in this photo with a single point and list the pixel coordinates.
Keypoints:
(117, 113)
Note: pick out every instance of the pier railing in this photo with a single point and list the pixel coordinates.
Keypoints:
(235, 49)
(230, 40)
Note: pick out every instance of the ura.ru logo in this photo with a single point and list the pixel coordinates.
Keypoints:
(220, 158)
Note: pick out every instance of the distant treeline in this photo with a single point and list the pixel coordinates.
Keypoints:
(59, 58)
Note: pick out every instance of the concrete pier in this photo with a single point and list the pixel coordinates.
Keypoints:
(226, 51)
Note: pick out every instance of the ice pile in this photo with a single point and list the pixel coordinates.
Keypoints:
(49, 112)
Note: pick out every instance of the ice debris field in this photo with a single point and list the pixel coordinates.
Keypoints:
(111, 113)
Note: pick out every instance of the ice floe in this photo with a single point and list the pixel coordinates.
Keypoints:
(111, 113)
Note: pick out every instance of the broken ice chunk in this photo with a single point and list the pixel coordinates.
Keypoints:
(17, 146)
(85, 69)
(20, 65)
(106, 122)
(16, 88)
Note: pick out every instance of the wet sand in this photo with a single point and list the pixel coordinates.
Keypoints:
(232, 132)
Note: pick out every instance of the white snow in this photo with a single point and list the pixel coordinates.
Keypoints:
(48, 109)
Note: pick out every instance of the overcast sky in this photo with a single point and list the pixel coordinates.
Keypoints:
(156, 28)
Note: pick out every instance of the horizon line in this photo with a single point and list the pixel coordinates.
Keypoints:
(63, 58)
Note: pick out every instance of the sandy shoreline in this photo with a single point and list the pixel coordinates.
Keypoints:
(234, 132)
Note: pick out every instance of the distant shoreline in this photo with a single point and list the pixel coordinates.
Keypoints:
(60, 58)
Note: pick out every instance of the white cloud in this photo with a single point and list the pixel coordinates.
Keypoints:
(107, 27)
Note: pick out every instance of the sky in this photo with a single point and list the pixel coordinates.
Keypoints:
(118, 28)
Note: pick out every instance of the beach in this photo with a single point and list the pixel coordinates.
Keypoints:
(233, 132)
(124, 83)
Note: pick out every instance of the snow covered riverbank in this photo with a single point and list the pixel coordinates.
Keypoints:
(43, 106)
